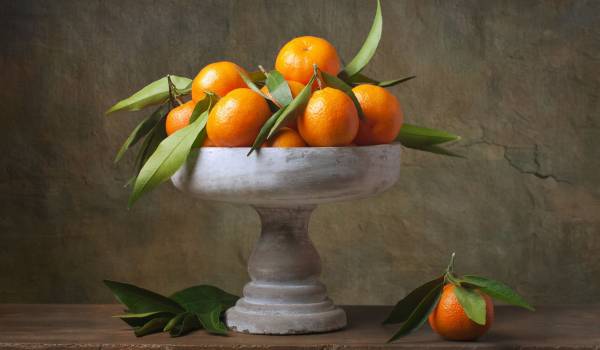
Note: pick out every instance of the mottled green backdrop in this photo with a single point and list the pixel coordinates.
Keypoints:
(520, 80)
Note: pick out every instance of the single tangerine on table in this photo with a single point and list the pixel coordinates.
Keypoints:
(179, 117)
(295, 89)
(329, 119)
(296, 58)
(449, 319)
(237, 118)
(219, 77)
(382, 115)
(286, 137)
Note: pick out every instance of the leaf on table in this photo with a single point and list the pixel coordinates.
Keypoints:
(420, 313)
(299, 101)
(169, 156)
(155, 325)
(142, 129)
(368, 48)
(204, 298)
(182, 324)
(140, 300)
(497, 290)
(472, 302)
(405, 307)
(339, 84)
(154, 93)
(140, 319)
(279, 88)
(175, 320)
(211, 321)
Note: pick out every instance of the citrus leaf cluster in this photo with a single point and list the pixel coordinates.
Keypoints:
(197, 307)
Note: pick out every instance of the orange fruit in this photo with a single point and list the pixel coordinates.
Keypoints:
(219, 77)
(295, 89)
(287, 137)
(296, 58)
(179, 117)
(450, 321)
(383, 116)
(329, 119)
(237, 118)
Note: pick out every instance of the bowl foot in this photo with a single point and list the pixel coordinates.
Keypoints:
(285, 295)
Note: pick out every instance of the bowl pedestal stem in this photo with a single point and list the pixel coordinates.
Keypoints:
(285, 295)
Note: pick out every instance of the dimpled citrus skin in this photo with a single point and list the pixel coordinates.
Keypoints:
(219, 77)
(295, 89)
(287, 137)
(450, 321)
(296, 58)
(179, 117)
(237, 118)
(382, 112)
(329, 119)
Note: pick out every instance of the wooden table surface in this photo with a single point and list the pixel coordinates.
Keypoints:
(91, 326)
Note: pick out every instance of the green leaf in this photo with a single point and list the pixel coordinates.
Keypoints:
(438, 150)
(155, 325)
(138, 320)
(257, 76)
(211, 321)
(251, 85)
(204, 298)
(139, 300)
(414, 136)
(339, 84)
(279, 88)
(264, 131)
(472, 302)
(297, 102)
(190, 322)
(420, 313)
(169, 156)
(369, 47)
(176, 320)
(405, 307)
(154, 93)
(360, 78)
(142, 129)
(497, 290)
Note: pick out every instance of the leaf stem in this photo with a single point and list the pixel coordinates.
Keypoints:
(262, 69)
(317, 73)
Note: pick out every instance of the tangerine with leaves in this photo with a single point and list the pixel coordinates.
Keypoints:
(287, 137)
(296, 58)
(449, 319)
(179, 117)
(329, 119)
(237, 118)
(295, 89)
(382, 115)
(219, 77)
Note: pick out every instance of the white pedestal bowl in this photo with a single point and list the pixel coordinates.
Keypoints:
(284, 185)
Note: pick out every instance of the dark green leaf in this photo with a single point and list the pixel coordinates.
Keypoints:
(264, 131)
(204, 298)
(438, 150)
(339, 84)
(169, 156)
(389, 83)
(472, 302)
(369, 47)
(251, 84)
(211, 321)
(138, 320)
(142, 129)
(190, 323)
(414, 136)
(205, 105)
(154, 93)
(257, 76)
(299, 101)
(148, 147)
(175, 320)
(139, 300)
(405, 307)
(155, 325)
(363, 79)
(497, 290)
(279, 88)
(420, 313)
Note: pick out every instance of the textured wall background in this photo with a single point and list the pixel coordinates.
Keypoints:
(520, 80)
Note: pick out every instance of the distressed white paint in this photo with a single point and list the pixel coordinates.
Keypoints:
(284, 185)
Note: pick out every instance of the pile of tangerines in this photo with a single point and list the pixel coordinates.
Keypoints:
(329, 118)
